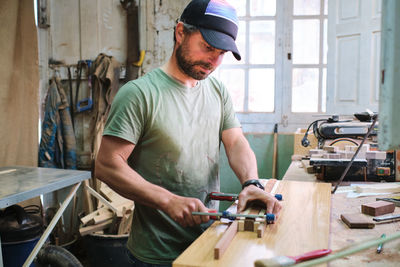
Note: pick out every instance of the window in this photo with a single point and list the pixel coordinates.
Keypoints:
(281, 77)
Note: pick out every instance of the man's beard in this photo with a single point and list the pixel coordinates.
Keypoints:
(188, 67)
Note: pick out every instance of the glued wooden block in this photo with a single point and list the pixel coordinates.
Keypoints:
(256, 225)
(261, 230)
(357, 220)
(249, 225)
(331, 149)
(240, 225)
(225, 240)
(377, 208)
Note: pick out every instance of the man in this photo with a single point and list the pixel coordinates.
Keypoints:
(160, 146)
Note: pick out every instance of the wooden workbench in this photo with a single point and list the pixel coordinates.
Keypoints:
(303, 225)
(341, 236)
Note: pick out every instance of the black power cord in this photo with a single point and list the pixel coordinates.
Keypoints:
(355, 154)
(305, 142)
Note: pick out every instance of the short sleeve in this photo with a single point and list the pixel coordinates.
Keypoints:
(126, 119)
(230, 119)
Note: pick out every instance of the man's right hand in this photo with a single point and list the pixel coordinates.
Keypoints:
(180, 210)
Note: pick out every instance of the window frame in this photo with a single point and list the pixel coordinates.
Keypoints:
(282, 114)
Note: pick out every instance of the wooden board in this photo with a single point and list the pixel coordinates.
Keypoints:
(302, 226)
(226, 239)
(377, 208)
(19, 92)
(357, 220)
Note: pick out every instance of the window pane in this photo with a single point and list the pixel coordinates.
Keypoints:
(305, 90)
(262, 7)
(261, 90)
(262, 42)
(326, 7)
(325, 41)
(306, 7)
(323, 100)
(306, 41)
(234, 82)
(240, 43)
(240, 7)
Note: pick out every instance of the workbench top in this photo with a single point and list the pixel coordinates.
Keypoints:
(342, 236)
(18, 183)
(303, 225)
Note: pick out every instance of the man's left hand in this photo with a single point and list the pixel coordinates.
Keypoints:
(253, 193)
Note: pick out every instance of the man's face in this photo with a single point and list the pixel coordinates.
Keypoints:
(196, 58)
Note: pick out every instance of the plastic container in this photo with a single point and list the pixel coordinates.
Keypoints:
(107, 250)
(20, 231)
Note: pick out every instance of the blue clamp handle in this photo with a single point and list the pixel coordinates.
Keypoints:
(270, 218)
(226, 214)
(278, 197)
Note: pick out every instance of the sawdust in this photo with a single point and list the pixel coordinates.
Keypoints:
(387, 256)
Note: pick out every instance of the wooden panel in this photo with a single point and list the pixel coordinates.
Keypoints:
(349, 10)
(377, 8)
(302, 226)
(89, 33)
(64, 31)
(351, 80)
(348, 68)
(19, 87)
(376, 50)
(112, 27)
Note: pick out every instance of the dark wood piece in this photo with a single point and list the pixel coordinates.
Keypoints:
(377, 208)
(357, 220)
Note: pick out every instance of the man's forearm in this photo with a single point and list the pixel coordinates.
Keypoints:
(242, 160)
(129, 184)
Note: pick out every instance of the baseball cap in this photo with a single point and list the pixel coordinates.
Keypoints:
(217, 22)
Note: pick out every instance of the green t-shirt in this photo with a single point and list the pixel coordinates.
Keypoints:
(177, 134)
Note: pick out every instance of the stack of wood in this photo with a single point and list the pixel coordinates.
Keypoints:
(113, 215)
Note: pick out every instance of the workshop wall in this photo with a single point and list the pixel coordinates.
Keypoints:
(83, 29)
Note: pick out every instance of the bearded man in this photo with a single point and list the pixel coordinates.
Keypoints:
(161, 143)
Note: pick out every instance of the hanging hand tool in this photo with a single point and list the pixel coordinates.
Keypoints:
(71, 100)
(85, 103)
(395, 200)
(386, 218)
(232, 197)
(269, 217)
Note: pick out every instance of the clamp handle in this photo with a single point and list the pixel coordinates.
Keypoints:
(84, 104)
(222, 196)
(213, 217)
(269, 217)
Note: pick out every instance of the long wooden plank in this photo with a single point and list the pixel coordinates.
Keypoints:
(303, 225)
(226, 239)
